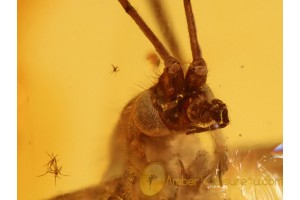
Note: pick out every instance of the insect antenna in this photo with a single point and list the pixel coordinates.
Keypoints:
(196, 51)
(161, 50)
(161, 18)
(197, 72)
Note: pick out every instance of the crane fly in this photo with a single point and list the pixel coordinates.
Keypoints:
(161, 125)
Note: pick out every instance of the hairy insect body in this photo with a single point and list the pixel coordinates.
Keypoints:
(141, 138)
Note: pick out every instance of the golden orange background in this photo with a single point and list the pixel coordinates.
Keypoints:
(69, 102)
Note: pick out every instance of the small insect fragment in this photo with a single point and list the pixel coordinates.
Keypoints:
(151, 178)
(53, 168)
(153, 58)
(115, 69)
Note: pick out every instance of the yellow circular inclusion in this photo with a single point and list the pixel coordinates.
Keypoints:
(152, 179)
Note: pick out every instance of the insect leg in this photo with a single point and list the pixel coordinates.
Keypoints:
(43, 174)
(215, 126)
